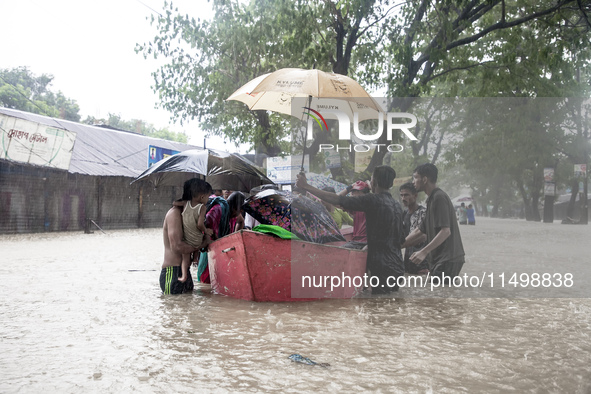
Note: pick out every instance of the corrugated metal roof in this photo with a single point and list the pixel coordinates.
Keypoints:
(103, 152)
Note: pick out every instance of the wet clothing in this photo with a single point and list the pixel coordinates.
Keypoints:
(233, 224)
(341, 217)
(359, 227)
(384, 233)
(470, 214)
(462, 216)
(217, 218)
(169, 281)
(448, 257)
(191, 233)
(410, 222)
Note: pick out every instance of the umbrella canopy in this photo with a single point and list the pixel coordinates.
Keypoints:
(275, 91)
(307, 219)
(462, 198)
(227, 169)
(243, 183)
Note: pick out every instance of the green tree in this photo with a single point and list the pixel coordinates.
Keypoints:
(527, 69)
(442, 49)
(472, 46)
(244, 41)
(209, 60)
(21, 89)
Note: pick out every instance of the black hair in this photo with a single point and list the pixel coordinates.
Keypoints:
(408, 186)
(429, 170)
(235, 202)
(329, 189)
(195, 186)
(384, 176)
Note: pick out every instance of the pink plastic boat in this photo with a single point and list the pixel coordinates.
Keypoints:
(259, 267)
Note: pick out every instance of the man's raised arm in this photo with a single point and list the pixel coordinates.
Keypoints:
(328, 197)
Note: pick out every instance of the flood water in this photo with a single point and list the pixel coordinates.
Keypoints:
(84, 313)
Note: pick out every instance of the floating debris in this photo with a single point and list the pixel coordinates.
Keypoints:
(305, 360)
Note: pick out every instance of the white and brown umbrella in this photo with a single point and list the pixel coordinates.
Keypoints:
(318, 90)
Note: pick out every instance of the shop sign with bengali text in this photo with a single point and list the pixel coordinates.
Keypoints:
(29, 142)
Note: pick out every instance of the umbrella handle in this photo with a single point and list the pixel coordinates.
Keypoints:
(306, 133)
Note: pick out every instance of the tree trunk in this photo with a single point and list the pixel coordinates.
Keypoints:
(321, 138)
(548, 209)
(527, 203)
(266, 146)
(495, 211)
(535, 211)
(584, 205)
(402, 104)
(496, 199)
(570, 211)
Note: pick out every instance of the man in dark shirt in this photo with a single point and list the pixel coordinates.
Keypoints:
(444, 242)
(384, 225)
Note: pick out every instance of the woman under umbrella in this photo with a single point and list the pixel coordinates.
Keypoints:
(223, 217)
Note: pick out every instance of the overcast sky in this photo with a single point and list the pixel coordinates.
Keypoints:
(88, 46)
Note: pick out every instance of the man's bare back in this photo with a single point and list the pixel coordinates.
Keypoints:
(172, 232)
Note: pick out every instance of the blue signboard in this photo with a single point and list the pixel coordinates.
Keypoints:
(156, 153)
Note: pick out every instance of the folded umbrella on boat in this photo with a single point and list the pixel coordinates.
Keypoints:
(307, 219)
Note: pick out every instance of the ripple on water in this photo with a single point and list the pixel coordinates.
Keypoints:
(89, 324)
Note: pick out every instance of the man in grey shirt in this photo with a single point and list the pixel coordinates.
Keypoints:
(440, 227)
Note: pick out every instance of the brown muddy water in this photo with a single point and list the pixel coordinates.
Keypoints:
(84, 313)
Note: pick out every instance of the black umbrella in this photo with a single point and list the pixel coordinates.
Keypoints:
(222, 169)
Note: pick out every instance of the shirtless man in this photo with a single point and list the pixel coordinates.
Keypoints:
(174, 248)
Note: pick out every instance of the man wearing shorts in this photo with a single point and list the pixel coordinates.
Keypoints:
(174, 248)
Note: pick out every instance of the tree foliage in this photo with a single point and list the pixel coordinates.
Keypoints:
(451, 48)
(209, 60)
(494, 48)
(138, 126)
(21, 89)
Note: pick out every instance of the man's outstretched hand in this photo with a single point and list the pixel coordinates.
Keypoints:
(301, 181)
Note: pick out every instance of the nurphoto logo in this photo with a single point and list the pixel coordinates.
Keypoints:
(345, 129)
